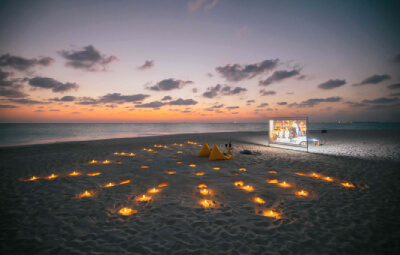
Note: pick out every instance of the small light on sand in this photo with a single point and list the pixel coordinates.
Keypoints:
(202, 185)
(259, 200)
(271, 213)
(132, 154)
(154, 190)
(170, 172)
(271, 180)
(284, 184)
(272, 172)
(248, 188)
(125, 182)
(86, 194)
(164, 184)
(179, 163)
(123, 153)
(52, 176)
(200, 173)
(34, 178)
(144, 149)
(179, 152)
(242, 169)
(207, 203)
(140, 155)
(300, 173)
(192, 165)
(149, 159)
(347, 184)
(329, 179)
(144, 198)
(239, 183)
(109, 185)
(127, 211)
(302, 193)
(116, 153)
(118, 162)
(74, 173)
(216, 168)
(93, 173)
(106, 162)
(93, 162)
(150, 150)
(234, 173)
(314, 175)
(144, 166)
(205, 191)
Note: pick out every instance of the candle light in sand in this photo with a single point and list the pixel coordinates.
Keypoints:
(52, 176)
(300, 173)
(329, 179)
(179, 163)
(271, 180)
(200, 173)
(207, 203)
(125, 182)
(144, 166)
(242, 169)
(93, 162)
(106, 162)
(154, 190)
(216, 168)
(86, 194)
(94, 173)
(259, 200)
(302, 193)
(179, 152)
(34, 178)
(116, 153)
(271, 213)
(347, 184)
(123, 153)
(170, 172)
(149, 159)
(192, 165)
(74, 173)
(109, 185)
(248, 188)
(132, 154)
(272, 172)
(205, 191)
(239, 183)
(144, 198)
(284, 184)
(314, 175)
(127, 211)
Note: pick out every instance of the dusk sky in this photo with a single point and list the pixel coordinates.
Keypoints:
(199, 61)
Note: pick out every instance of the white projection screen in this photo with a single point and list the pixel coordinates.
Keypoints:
(288, 133)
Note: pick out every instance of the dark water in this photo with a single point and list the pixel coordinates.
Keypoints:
(21, 134)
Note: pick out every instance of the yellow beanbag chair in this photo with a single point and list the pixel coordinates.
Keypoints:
(217, 154)
(205, 151)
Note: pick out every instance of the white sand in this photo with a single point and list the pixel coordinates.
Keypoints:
(46, 217)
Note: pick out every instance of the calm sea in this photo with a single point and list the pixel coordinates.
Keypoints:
(22, 134)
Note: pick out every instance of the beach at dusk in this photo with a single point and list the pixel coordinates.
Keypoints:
(199, 127)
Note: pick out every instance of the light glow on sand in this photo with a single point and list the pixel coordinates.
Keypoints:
(284, 185)
(329, 179)
(106, 162)
(300, 173)
(202, 185)
(200, 173)
(243, 169)
(53, 176)
(132, 154)
(86, 194)
(93, 162)
(272, 172)
(149, 159)
(205, 191)
(127, 211)
(164, 184)
(125, 182)
(179, 152)
(34, 178)
(302, 193)
(94, 173)
(179, 163)
(239, 183)
(347, 184)
(258, 200)
(170, 172)
(144, 166)
(248, 188)
(116, 153)
(271, 180)
(111, 184)
(216, 168)
(315, 175)
(144, 198)
(74, 173)
(192, 165)
(207, 203)
(153, 190)
(271, 213)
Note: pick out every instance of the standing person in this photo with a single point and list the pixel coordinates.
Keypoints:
(295, 129)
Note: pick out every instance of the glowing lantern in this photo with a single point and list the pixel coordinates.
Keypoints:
(149, 159)
(205, 191)
(242, 169)
(154, 190)
(93, 173)
(51, 176)
(302, 193)
(125, 182)
(239, 183)
(164, 184)
(207, 203)
(179, 152)
(272, 172)
(300, 173)
(144, 167)
(179, 163)
(248, 188)
(200, 173)
(170, 172)
(86, 194)
(271, 181)
(284, 184)
(347, 184)
(106, 162)
(202, 185)
(109, 185)
(144, 198)
(132, 154)
(127, 211)
(192, 165)
(216, 168)
(329, 179)
(271, 213)
(93, 162)
(34, 178)
(259, 200)
(74, 173)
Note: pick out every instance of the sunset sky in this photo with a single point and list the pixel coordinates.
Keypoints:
(199, 61)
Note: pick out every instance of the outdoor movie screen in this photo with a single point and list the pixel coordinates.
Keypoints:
(288, 131)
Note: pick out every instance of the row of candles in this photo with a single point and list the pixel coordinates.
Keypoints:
(54, 176)
(345, 184)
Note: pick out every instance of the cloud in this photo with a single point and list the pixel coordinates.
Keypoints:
(217, 106)
(147, 65)
(263, 92)
(193, 5)
(394, 94)
(301, 77)
(374, 79)
(331, 84)
(14, 91)
(64, 99)
(169, 84)
(314, 101)
(75, 112)
(281, 103)
(238, 72)
(26, 101)
(56, 110)
(394, 86)
(154, 104)
(220, 90)
(209, 75)
(88, 59)
(118, 98)
(250, 101)
(87, 101)
(23, 64)
(194, 90)
(49, 83)
(181, 101)
(278, 76)
(355, 104)
(232, 107)
(262, 105)
(166, 98)
(381, 100)
(8, 106)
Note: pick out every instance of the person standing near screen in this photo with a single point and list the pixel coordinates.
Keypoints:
(295, 129)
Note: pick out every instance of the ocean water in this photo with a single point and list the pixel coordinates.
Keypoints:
(23, 134)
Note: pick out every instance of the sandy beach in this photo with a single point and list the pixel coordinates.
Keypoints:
(340, 198)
